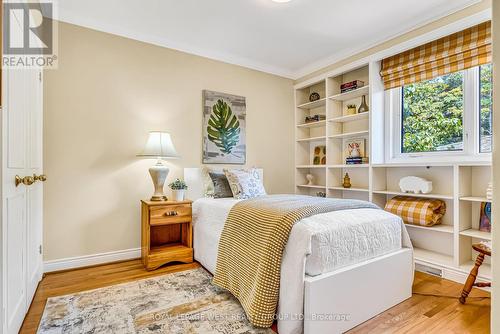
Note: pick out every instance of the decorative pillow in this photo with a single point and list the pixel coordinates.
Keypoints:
(208, 185)
(221, 185)
(245, 183)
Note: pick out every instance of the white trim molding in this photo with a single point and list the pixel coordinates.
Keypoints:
(69, 16)
(91, 260)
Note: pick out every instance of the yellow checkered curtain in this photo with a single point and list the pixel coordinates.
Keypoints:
(460, 51)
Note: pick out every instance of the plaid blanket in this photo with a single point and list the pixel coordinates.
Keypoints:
(252, 243)
(417, 211)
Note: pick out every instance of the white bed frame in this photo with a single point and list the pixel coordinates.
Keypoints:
(340, 300)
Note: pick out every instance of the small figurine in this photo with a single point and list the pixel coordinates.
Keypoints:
(310, 179)
(347, 181)
(489, 192)
(321, 194)
(415, 184)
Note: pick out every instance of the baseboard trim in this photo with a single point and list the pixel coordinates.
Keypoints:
(91, 260)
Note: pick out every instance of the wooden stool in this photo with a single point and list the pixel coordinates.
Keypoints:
(471, 280)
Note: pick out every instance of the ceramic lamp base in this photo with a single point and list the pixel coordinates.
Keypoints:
(159, 174)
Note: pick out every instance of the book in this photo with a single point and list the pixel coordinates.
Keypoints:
(356, 161)
(315, 118)
(352, 85)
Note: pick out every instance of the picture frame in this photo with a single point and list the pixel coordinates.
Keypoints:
(352, 144)
(318, 155)
(224, 128)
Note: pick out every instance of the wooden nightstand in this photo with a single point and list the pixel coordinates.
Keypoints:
(167, 233)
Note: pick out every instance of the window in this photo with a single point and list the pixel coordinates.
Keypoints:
(485, 108)
(432, 115)
(447, 115)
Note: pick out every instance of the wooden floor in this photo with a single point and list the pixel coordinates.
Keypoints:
(419, 314)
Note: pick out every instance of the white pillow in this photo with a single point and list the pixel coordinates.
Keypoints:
(208, 185)
(245, 183)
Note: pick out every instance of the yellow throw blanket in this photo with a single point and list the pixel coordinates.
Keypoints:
(252, 243)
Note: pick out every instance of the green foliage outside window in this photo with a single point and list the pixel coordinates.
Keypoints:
(486, 104)
(433, 114)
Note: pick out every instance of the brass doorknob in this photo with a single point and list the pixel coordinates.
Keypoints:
(27, 180)
(41, 177)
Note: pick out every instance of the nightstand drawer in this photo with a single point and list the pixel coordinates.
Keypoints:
(172, 214)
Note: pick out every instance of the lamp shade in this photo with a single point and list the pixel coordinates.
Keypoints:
(159, 145)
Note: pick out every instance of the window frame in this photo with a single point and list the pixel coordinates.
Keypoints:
(471, 119)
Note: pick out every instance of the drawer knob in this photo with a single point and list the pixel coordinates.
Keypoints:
(171, 213)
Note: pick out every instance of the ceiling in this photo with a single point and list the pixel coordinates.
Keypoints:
(289, 39)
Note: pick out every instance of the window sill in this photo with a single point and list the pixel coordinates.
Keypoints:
(449, 158)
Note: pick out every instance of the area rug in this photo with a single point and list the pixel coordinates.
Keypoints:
(183, 302)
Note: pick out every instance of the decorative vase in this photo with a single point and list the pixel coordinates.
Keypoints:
(489, 192)
(310, 179)
(347, 181)
(351, 111)
(178, 194)
(363, 107)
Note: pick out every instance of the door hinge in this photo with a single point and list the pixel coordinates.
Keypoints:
(40, 76)
(40, 249)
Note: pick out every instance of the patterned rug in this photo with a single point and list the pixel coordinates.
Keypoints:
(183, 302)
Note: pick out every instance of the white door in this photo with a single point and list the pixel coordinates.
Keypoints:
(22, 204)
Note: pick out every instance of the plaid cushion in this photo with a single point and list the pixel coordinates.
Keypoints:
(417, 211)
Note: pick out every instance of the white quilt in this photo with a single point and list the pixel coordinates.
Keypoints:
(318, 244)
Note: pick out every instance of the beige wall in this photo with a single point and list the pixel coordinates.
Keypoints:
(495, 320)
(107, 93)
(471, 10)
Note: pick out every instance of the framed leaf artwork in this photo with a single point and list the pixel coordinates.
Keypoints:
(224, 121)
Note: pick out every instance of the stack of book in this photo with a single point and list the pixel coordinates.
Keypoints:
(352, 85)
(356, 161)
(315, 118)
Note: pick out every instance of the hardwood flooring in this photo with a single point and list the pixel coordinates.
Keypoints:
(419, 314)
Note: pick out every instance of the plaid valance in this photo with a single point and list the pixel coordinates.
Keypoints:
(459, 51)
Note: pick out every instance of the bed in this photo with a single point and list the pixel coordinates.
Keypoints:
(328, 270)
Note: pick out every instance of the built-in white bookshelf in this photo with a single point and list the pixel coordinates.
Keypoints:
(462, 186)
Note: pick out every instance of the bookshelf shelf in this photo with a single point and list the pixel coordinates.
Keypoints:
(313, 105)
(349, 135)
(393, 192)
(351, 95)
(348, 189)
(476, 234)
(311, 186)
(312, 124)
(424, 255)
(320, 138)
(350, 118)
(475, 199)
(435, 228)
(349, 166)
(310, 166)
(460, 184)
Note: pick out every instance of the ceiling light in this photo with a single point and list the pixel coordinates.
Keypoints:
(281, 1)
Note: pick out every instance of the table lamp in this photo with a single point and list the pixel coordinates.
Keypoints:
(159, 146)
